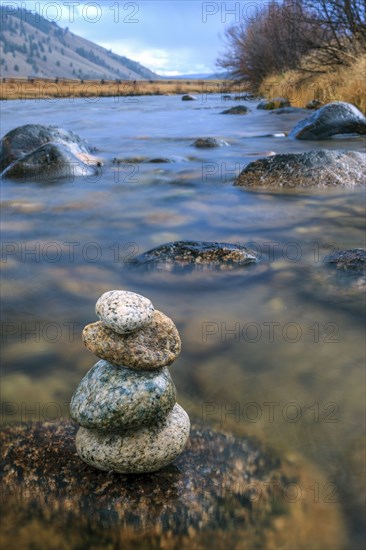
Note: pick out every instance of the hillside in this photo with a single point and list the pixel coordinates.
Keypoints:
(32, 46)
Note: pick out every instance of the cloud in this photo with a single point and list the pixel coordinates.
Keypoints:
(165, 62)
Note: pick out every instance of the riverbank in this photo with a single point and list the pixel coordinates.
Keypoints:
(343, 84)
(45, 88)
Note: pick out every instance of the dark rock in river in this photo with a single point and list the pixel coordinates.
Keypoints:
(332, 119)
(188, 97)
(24, 139)
(221, 492)
(310, 169)
(287, 111)
(275, 103)
(238, 110)
(246, 97)
(208, 143)
(49, 161)
(198, 253)
(348, 260)
(314, 104)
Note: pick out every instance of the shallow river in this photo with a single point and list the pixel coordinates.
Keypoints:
(275, 350)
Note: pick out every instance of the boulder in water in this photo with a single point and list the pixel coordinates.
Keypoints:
(309, 169)
(330, 120)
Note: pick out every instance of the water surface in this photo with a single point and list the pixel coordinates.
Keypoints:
(274, 350)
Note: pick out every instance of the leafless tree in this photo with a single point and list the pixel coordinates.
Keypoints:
(313, 35)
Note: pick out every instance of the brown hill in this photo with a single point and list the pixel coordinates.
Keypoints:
(30, 45)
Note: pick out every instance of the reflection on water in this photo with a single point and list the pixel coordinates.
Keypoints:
(273, 350)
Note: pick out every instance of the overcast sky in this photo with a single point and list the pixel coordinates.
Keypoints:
(170, 37)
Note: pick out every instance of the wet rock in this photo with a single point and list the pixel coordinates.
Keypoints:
(152, 347)
(314, 104)
(302, 170)
(199, 253)
(49, 161)
(123, 311)
(276, 103)
(208, 143)
(348, 260)
(287, 111)
(24, 139)
(129, 160)
(117, 399)
(332, 119)
(246, 97)
(230, 490)
(147, 449)
(237, 110)
(188, 97)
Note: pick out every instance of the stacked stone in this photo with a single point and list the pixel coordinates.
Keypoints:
(126, 404)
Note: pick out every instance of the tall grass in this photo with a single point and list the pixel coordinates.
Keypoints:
(344, 84)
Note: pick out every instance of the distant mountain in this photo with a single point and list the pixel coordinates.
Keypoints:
(32, 46)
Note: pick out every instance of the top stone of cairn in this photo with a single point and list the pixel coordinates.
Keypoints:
(124, 312)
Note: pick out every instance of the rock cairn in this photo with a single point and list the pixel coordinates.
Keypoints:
(126, 403)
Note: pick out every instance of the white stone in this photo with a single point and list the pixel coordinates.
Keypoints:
(145, 450)
(123, 311)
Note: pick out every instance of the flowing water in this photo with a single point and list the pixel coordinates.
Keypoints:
(274, 350)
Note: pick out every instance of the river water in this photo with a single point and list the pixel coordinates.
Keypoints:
(275, 350)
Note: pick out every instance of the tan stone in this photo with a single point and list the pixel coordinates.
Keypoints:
(154, 346)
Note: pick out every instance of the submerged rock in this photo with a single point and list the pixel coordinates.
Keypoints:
(314, 104)
(49, 161)
(24, 139)
(348, 260)
(287, 111)
(237, 110)
(301, 170)
(112, 398)
(332, 119)
(276, 103)
(225, 489)
(152, 347)
(208, 143)
(144, 450)
(199, 253)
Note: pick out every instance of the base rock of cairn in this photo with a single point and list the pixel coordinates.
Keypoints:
(126, 404)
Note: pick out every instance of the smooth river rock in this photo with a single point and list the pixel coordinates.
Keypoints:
(302, 170)
(275, 103)
(145, 450)
(152, 347)
(116, 399)
(332, 119)
(208, 143)
(353, 260)
(123, 311)
(237, 110)
(198, 253)
(221, 492)
(49, 161)
(24, 139)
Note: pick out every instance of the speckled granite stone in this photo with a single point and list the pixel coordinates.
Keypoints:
(154, 346)
(145, 450)
(116, 399)
(222, 492)
(124, 311)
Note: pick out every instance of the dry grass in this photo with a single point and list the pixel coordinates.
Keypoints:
(345, 84)
(22, 88)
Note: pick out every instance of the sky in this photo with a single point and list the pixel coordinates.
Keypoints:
(170, 37)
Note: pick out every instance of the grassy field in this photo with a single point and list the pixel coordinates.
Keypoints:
(343, 84)
(25, 88)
